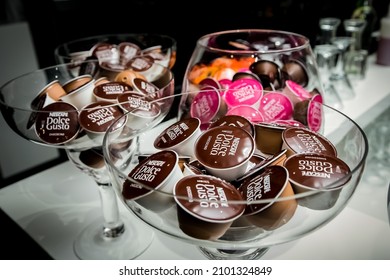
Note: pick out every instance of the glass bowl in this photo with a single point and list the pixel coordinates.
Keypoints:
(186, 179)
(275, 59)
(69, 106)
(25, 97)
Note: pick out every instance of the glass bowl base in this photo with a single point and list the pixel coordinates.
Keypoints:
(231, 254)
(92, 244)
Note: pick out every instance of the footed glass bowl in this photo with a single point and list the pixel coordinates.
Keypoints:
(69, 106)
(236, 186)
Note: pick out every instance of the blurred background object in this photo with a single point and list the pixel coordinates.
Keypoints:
(64, 20)
(366, 11)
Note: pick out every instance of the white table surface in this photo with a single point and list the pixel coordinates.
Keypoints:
(53, 206)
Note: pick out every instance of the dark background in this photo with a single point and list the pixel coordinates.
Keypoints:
(53, 22)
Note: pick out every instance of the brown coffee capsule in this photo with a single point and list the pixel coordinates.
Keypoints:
(153, 180)
(155, 52)
(196, 164)
(151, 70)
(302, 140)
(245, 75)
(152, 171)
(143, 86)
(110, 70)
(207, 206)
(50, 93)
(129, 101)
(110, 91)
(272, 186)
(321, 176)
(57, 123)
(76, 83)
(225, 151)
(180, 137)
(235, 120)
(142, 110)
(268, 137)
(140, 64)
(267, 71)
(276, 159)
(127, 51)
(89, 67)
(93, 158)
(296, 71)
(106, 52)
(97, 117)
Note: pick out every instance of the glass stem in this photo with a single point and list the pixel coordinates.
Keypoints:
(112, 226)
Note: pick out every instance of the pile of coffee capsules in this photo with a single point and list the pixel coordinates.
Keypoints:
(236, 174)
(123, 56)
(117, 56)
(84, 106)
(261, 90)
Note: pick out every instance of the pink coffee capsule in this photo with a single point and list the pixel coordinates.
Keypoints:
(314, 113)
(276, 106)
(208, 105)
(244, 91)
(209, 82)
(296, 92)
(309, 112)
(225, 83)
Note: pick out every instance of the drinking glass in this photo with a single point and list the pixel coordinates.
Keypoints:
(339, 78)
(68, 106)
(328, 27)
(327, 56)
(355, 64)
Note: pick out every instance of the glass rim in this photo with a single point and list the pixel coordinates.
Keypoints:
(59, 67)
(107, 36)
(203, 40)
